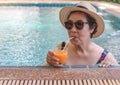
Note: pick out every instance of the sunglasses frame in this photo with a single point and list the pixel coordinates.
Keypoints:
(79, 24)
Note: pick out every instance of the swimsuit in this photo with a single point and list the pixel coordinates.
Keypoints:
(103, 55)
(63, 45)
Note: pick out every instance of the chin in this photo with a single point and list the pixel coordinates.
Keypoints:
(74, 42)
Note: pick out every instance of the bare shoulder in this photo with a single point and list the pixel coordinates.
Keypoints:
(96, 48)
(110, 57)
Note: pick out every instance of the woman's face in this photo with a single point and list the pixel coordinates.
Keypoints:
(82, 34)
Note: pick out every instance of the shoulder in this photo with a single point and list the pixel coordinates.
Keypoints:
(111, 57)
(107, 56)
(96, 48)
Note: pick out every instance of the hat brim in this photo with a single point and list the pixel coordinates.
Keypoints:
(66, 11)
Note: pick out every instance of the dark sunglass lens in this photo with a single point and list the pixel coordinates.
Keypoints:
(68, 24)
(79, 24)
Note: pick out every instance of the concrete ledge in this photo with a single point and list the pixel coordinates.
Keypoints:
(112, 8)
(58, 73)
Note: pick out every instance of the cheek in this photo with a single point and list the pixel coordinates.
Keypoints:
(84, 32)
(68, 33)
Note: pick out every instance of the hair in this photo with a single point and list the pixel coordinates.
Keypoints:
(91, 21)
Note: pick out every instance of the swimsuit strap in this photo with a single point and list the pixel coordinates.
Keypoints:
(103, 55)
(63, 45)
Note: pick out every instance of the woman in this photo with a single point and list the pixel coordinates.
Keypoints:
(82, 23)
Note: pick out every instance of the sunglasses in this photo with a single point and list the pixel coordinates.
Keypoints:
(78, 24)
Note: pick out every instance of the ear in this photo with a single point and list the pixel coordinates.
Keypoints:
(93, 28)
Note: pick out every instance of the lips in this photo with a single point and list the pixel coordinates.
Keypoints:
(73, 36)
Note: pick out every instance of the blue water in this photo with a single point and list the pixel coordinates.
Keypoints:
(27, 32)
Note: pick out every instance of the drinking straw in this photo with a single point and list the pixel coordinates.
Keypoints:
(68, 42)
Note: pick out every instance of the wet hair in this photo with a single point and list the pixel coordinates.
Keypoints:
(91, 21)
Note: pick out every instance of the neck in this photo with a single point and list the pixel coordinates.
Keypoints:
(83, 46)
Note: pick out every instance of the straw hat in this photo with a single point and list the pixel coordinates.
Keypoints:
(87, 8)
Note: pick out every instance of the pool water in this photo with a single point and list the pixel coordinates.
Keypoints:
(110, 39)
(27, 32)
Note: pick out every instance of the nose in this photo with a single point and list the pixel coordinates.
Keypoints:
(74, 29)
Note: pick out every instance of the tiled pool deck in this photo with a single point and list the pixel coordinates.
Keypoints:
(113, 8)
(43, 73)
(59, 73)
(110, 7)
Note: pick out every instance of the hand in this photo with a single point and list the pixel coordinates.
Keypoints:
(105, 64)
(108, 61)
(52, 60)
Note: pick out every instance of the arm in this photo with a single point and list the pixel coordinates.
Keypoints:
(109, 61)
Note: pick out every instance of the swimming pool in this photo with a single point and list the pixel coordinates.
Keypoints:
(28, 31)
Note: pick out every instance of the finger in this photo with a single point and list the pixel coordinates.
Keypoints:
(52, 60)
(108, 65)
(105, 65)
(102, 64)
(52, 55)
(55, 63)
(59, 65)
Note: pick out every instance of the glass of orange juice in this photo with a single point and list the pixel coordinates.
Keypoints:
(61, 55)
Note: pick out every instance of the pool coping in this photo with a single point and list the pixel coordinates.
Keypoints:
(65, 66)
(110, 7)
(38, 1)
(58, 73)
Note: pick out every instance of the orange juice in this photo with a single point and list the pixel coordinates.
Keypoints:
(62, 55)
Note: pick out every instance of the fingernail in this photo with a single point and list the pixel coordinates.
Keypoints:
(104, 65)
(57, 63)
